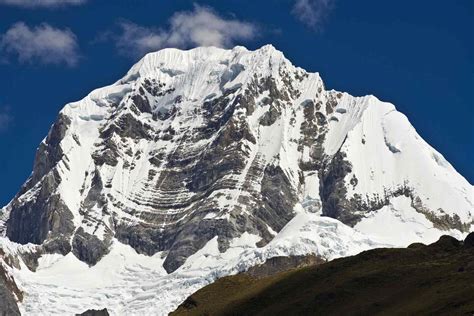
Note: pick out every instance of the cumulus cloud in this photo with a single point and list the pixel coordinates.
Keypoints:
(205, 28)
(5, 118)
(200, 27)
(313, 13)
(30, 4)
(41, 44)
(135, 40)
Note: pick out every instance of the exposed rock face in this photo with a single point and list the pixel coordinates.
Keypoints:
(9, 291)
(47, 216)
(190, 145)
(8, 306)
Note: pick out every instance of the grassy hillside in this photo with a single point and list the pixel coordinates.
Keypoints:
(435, 279)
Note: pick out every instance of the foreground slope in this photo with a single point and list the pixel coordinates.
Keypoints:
(437, 280)
(198, 164)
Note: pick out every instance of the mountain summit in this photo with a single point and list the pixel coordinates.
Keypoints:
(209, 161)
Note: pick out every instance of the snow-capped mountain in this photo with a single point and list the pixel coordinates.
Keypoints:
(202, 163)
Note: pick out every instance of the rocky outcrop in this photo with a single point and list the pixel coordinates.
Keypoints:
(8, 306)
(49, 152)
(89, 248)
(10, 294)
(44, 217)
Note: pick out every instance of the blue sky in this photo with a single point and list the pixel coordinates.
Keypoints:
(418, 55)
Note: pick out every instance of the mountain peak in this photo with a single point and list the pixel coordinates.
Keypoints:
(181, 60)
(211, 160)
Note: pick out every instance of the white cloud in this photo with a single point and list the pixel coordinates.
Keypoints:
(42, 44)
(5, 118)
(200, 27)
(204, 27)
(313, 13)
(135, 40)
(41, 3)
